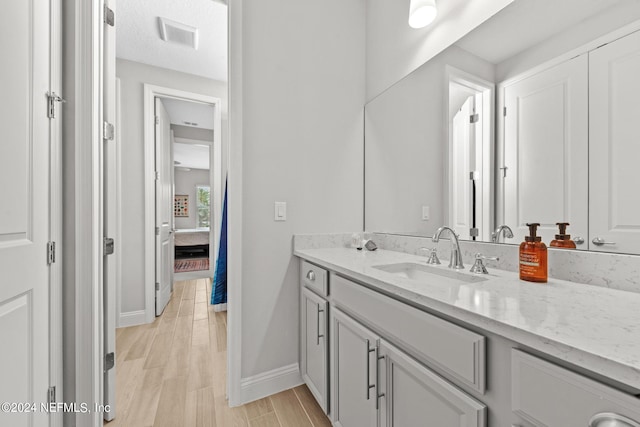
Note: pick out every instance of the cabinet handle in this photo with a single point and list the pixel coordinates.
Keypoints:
(378, 359)
(311, 275)
(609, 419)
(318, 336)
(368, 353)
(599, 241)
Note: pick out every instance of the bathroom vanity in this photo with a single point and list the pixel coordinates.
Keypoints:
(388, 340)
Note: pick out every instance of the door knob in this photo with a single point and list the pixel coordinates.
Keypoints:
(599, 241)
(578, 240)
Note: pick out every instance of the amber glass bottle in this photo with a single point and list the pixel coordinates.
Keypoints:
(533, 257)
(563, 240)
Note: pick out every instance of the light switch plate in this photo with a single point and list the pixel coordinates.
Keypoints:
(280, 211)
(425, 213)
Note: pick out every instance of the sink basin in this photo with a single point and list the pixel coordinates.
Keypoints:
(423, 272)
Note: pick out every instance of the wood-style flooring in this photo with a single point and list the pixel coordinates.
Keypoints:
(173, 373)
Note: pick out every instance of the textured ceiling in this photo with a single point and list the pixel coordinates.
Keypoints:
(138, 35)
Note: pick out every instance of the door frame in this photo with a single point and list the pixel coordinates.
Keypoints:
(215, 155)
(488, 89)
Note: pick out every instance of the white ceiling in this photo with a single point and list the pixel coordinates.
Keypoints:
(525, 23)
(138, 35)
(192, 112)
(193, 156)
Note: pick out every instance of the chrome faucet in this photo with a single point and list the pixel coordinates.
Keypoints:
(508, 233)
(455, 261)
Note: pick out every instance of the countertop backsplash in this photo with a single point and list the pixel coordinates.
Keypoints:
(614, 271)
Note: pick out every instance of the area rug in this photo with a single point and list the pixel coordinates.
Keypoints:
(193, 264)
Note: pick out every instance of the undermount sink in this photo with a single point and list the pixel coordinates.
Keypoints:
(423, 272)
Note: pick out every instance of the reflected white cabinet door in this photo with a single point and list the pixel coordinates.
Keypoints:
(24, 210)
(546, 147)
(353, 373)
(314, 364)
(614, 146)
(415, 396)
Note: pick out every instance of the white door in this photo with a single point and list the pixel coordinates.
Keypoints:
(415, 396)
(354, 374)
(24, 209)
(110, 212)
(545, 151)
(464, 171)
(614, 146)
(164, 207)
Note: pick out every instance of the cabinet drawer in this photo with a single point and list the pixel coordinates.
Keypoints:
(548, 395)
(446, 347)
(314, 277)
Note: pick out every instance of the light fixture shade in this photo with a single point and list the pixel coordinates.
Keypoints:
(422, 13)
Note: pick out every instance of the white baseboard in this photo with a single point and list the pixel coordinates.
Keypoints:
(132, 318)
(270, 382)
(220, 307)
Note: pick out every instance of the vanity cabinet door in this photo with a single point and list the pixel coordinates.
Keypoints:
(353, 372)
(614, 148)
(314, 355)
(412, 395)
(545, 151)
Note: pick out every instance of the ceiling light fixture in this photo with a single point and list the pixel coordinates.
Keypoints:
(422, 13)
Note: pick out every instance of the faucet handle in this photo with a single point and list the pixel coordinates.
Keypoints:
(433, 255)
(478, 266)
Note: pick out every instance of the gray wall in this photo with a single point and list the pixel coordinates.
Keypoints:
(303, 96)
(185, 183)
(133, 76)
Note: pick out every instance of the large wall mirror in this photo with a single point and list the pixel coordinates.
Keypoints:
(532, 117)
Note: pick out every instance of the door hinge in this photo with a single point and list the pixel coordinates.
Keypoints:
(108, 131)
(473, 232)
(109, 16)
(157, 286)
(52, 98)
(504, 171)
(51, 252)
(157, 175)
(157, 120)
(51, 395)
(108, 246)
(157, 231)
(109, 361)
(474, 118)
(504, 111)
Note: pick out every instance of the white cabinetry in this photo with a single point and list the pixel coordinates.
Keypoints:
(314, 351)
(614, 146)
(416, 396)
(353, 372)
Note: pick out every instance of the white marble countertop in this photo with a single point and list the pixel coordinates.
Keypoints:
(592, 327)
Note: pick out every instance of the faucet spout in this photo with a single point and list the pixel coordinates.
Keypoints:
(455, 260)
(508, 233)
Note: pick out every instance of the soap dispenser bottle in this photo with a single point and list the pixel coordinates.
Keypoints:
(563, 240)
(533, 257)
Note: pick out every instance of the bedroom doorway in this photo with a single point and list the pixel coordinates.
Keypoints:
(188, 189)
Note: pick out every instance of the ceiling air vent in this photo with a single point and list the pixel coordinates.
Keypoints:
(175, 32)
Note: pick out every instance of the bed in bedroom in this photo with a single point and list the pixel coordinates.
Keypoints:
(192, 243)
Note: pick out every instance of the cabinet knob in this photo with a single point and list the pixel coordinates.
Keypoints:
(578, 240)
(311, 275)
(609, 419)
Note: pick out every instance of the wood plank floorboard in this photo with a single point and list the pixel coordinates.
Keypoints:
(172, 372)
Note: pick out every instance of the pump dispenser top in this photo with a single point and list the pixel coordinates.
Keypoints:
(563, 240)
(533, 229)
(533, 256)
